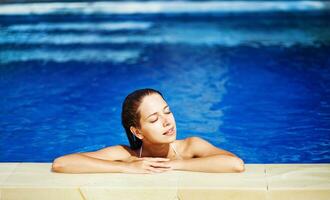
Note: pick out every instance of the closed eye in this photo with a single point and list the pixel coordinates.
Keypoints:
(167, 112)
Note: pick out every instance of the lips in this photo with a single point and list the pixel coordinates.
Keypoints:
(169, 132)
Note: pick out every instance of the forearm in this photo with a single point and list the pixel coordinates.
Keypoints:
(77, 163)
(217, 163)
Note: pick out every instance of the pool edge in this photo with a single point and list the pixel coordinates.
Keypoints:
(259, 181)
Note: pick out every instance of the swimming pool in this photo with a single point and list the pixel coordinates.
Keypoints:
(253, 82)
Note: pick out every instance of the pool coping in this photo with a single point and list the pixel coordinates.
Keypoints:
(257, 182)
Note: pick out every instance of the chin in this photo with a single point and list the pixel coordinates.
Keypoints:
(169, 139)
(173, 138)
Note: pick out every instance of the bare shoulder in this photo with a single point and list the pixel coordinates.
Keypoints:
(190, 143)
(199, 147)
(193, 141)
(183, 148)
(117, 152)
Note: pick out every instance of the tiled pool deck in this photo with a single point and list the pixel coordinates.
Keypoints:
(32, 181)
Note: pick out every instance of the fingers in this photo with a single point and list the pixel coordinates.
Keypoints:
(157, 170)
(159, 164)
(153, 170)
(154, 164)
(157, 167)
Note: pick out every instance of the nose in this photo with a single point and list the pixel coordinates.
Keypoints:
(166, 121)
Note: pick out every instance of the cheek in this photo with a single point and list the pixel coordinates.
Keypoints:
(158, 126)
(152, 128)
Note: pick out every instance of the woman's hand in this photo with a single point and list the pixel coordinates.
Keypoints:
(147, 165)
(176, 164)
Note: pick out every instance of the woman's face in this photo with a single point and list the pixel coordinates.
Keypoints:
(157, 121)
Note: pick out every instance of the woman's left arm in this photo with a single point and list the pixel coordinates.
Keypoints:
(208, 158)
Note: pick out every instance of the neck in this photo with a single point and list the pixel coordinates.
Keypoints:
(155, 150)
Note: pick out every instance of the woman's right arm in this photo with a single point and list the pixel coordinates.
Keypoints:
(79, 163)
(110, 159)
(104, 160)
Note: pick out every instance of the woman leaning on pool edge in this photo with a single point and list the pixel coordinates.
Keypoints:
(151, 130)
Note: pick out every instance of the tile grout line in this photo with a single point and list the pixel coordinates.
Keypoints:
(265, 171)
(267, 183)
(11, 173)
(80, 189)
(177, 187)
(5, 180)
(81, 194)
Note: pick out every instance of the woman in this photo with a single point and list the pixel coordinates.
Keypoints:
(151, 130)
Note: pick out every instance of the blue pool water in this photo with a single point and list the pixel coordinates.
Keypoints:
(256, 83)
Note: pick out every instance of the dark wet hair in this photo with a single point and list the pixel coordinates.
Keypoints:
(130, 115)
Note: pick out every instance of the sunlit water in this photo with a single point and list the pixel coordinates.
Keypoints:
(255, 84)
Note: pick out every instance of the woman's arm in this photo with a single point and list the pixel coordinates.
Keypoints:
(111, 159)
(208, 158)
(79, 163)
(105, 160)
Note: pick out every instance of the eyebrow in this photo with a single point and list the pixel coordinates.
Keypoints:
(156, 112)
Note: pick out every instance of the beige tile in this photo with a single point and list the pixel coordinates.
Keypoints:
(223, 194)
(40, 175)
(40, 193)
(118, 180)
(252, 177)
(299, 195)
(302, 176)
(250, 184)
(5, 170)
(298, 181)
(133, 186)
(139, 193)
